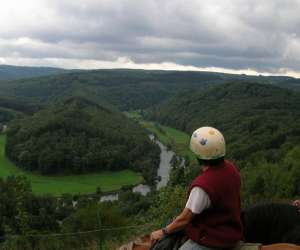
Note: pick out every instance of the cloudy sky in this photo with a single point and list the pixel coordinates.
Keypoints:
(242, 36)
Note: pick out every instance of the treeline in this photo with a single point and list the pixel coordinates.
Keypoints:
(125, 89)
(79, 136)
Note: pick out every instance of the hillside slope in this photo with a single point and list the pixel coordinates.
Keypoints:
(256, 119)
(11, 108)
(125, 89)
(79, 136)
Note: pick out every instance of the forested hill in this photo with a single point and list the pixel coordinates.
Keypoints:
(11, 108)
(126, 89)
(257, 120)
(79, 136)
(9, 72)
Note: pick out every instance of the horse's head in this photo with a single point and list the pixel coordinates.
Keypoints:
(142, 243)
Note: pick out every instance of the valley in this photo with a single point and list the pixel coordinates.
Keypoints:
(115, 144)
(146, 125)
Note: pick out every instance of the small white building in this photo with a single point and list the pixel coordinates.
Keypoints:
(4, 128)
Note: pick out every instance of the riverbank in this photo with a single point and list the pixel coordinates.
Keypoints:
(163, 173)
(174, 139)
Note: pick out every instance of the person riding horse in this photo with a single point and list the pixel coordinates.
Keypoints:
(211, 217)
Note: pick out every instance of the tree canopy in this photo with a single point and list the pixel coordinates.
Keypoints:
(79, 136)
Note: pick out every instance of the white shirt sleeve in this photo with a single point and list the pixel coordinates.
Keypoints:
(198, 200)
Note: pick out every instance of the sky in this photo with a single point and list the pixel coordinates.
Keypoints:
(233, 36)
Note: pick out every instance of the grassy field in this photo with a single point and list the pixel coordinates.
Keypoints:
(179, 141)
(74, 184)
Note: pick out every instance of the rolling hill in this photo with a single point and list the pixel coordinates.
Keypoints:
(79, 136)
(12, 108)
(258, 120)
(125, 89)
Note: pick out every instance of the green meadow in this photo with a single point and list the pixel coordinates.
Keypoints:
(179, 141)
(73, 184)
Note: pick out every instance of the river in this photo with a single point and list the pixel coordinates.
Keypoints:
(163, 173)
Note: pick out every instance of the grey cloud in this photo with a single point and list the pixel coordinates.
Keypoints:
(235, 34)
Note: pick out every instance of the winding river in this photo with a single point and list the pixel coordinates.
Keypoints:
(163, 173)
(164, 165)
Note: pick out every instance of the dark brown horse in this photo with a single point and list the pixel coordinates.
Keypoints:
(269, 224)
(144, 243)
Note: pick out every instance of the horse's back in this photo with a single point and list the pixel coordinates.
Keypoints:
(281, 247)
(271, 223)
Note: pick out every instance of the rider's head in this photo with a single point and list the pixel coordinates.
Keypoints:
(208, 145)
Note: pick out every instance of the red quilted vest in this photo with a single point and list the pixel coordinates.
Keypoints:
(219, 225)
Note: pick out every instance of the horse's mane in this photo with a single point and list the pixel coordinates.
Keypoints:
(271, 223)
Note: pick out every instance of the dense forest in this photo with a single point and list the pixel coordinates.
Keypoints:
(125, 89)
(79, 136)
(12, 108)
(256, 119)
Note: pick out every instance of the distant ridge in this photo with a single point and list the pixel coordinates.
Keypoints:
(10, 72)
(126, 89)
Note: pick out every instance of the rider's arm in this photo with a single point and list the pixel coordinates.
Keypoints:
(180, 221)
(197, 202)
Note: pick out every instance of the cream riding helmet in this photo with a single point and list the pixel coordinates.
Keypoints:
(208, 143)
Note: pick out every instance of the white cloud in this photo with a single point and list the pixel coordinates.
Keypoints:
(127, 63)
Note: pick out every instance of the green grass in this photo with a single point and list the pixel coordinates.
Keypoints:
(179, 141)
(136, 115)
(74, 184)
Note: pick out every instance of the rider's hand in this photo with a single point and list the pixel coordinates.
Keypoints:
(156, 235)
(297, 204)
